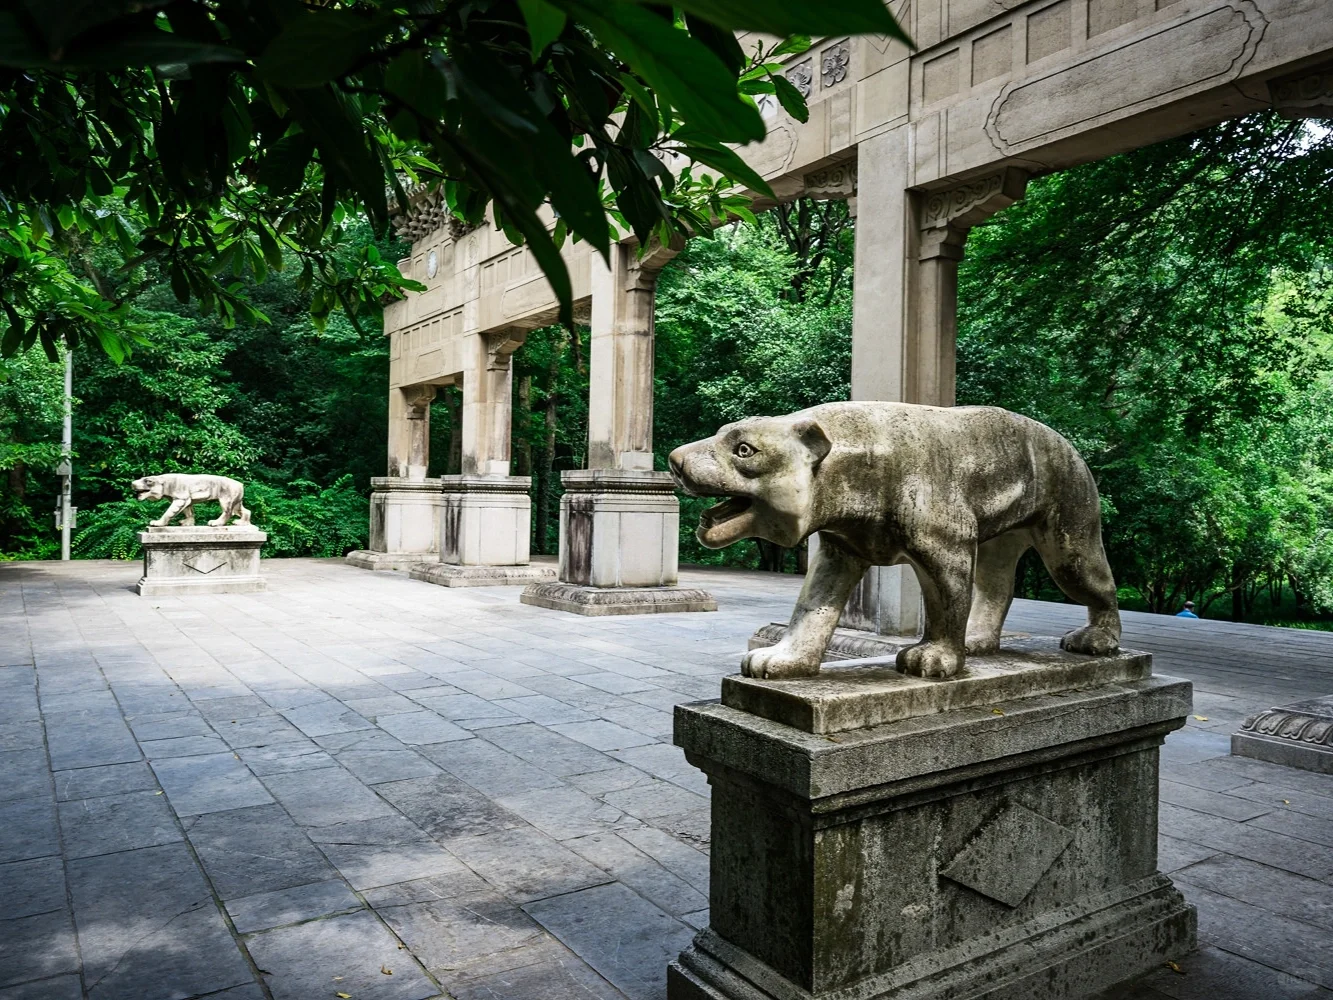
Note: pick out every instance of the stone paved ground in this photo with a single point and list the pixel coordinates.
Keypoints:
(292, 795)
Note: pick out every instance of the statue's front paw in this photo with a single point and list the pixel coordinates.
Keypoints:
(931, 659)
(1092, 640)
(772, 662)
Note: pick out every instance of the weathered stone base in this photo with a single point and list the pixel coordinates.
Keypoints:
(183, 560)
(582, 600)
(1076, 953)
(186, 587)
(365, 559)
(850, 643)
(1297, 735)
(1004, 850)
(450, 575)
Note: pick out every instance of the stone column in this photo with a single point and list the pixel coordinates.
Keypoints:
(485, 514)
(404, 505)
(905, 325)
(619, 519)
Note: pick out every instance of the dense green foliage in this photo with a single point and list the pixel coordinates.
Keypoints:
(279, 404)
(215, 138)
(1171, 311)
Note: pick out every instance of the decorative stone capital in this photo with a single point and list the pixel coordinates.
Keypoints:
(1308, 94)
(975, 201)
(418, 399)
(501, 345)
(642, 271)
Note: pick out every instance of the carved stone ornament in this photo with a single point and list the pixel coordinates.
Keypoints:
(458, 228)
(835, 182)
(802, 77)
(418, 399)
(1298, 723)
(1308, 95)
(1009, 854)
(975, 201)
(834, 63)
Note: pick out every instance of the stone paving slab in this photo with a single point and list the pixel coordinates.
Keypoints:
(244, 796)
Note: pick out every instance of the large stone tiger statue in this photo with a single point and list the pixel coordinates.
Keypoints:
(184, 490)
(958, 493)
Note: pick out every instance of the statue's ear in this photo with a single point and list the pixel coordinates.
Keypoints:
(814, 438)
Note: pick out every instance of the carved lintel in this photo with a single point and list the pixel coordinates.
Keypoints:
(1308, 94)
(418, 399)
(973, 202)
(832, 183)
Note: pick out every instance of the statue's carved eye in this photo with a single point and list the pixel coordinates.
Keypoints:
(744, 450)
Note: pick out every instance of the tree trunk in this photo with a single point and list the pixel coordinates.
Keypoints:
(18, 480)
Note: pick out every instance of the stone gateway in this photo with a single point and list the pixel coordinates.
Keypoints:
(959, 494)
(185, 489)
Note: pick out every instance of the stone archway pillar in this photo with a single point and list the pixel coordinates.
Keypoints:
(404, 505)
(905, 327)
(619, 519)
(485, 514)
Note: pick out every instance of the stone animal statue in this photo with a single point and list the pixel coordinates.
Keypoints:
(184, 490)
(959, 493)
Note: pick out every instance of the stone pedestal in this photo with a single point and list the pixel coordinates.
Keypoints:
(1296, 735)
(619, 534)
(485, 530)
(182, 560)
(876, 836)
(404, 524)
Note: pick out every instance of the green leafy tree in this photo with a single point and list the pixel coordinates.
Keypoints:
(211, 139)
(1136, 305)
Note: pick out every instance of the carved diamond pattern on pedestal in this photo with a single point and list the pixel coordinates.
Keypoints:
(206, 563)
(1008, 854)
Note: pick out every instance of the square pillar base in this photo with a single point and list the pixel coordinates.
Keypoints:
(1297, 735)
(201, 560)
(485, 520)
(616, 600)
(619, 538)
(367, 559)
(404, 524)
(1006, 850)
(448, 575)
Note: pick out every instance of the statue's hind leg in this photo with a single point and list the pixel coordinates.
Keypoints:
(993, 589)
(1076, 560)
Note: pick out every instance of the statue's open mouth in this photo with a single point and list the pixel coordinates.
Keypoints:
(727, 510)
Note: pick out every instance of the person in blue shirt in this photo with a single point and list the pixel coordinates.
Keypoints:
(1187, 611)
